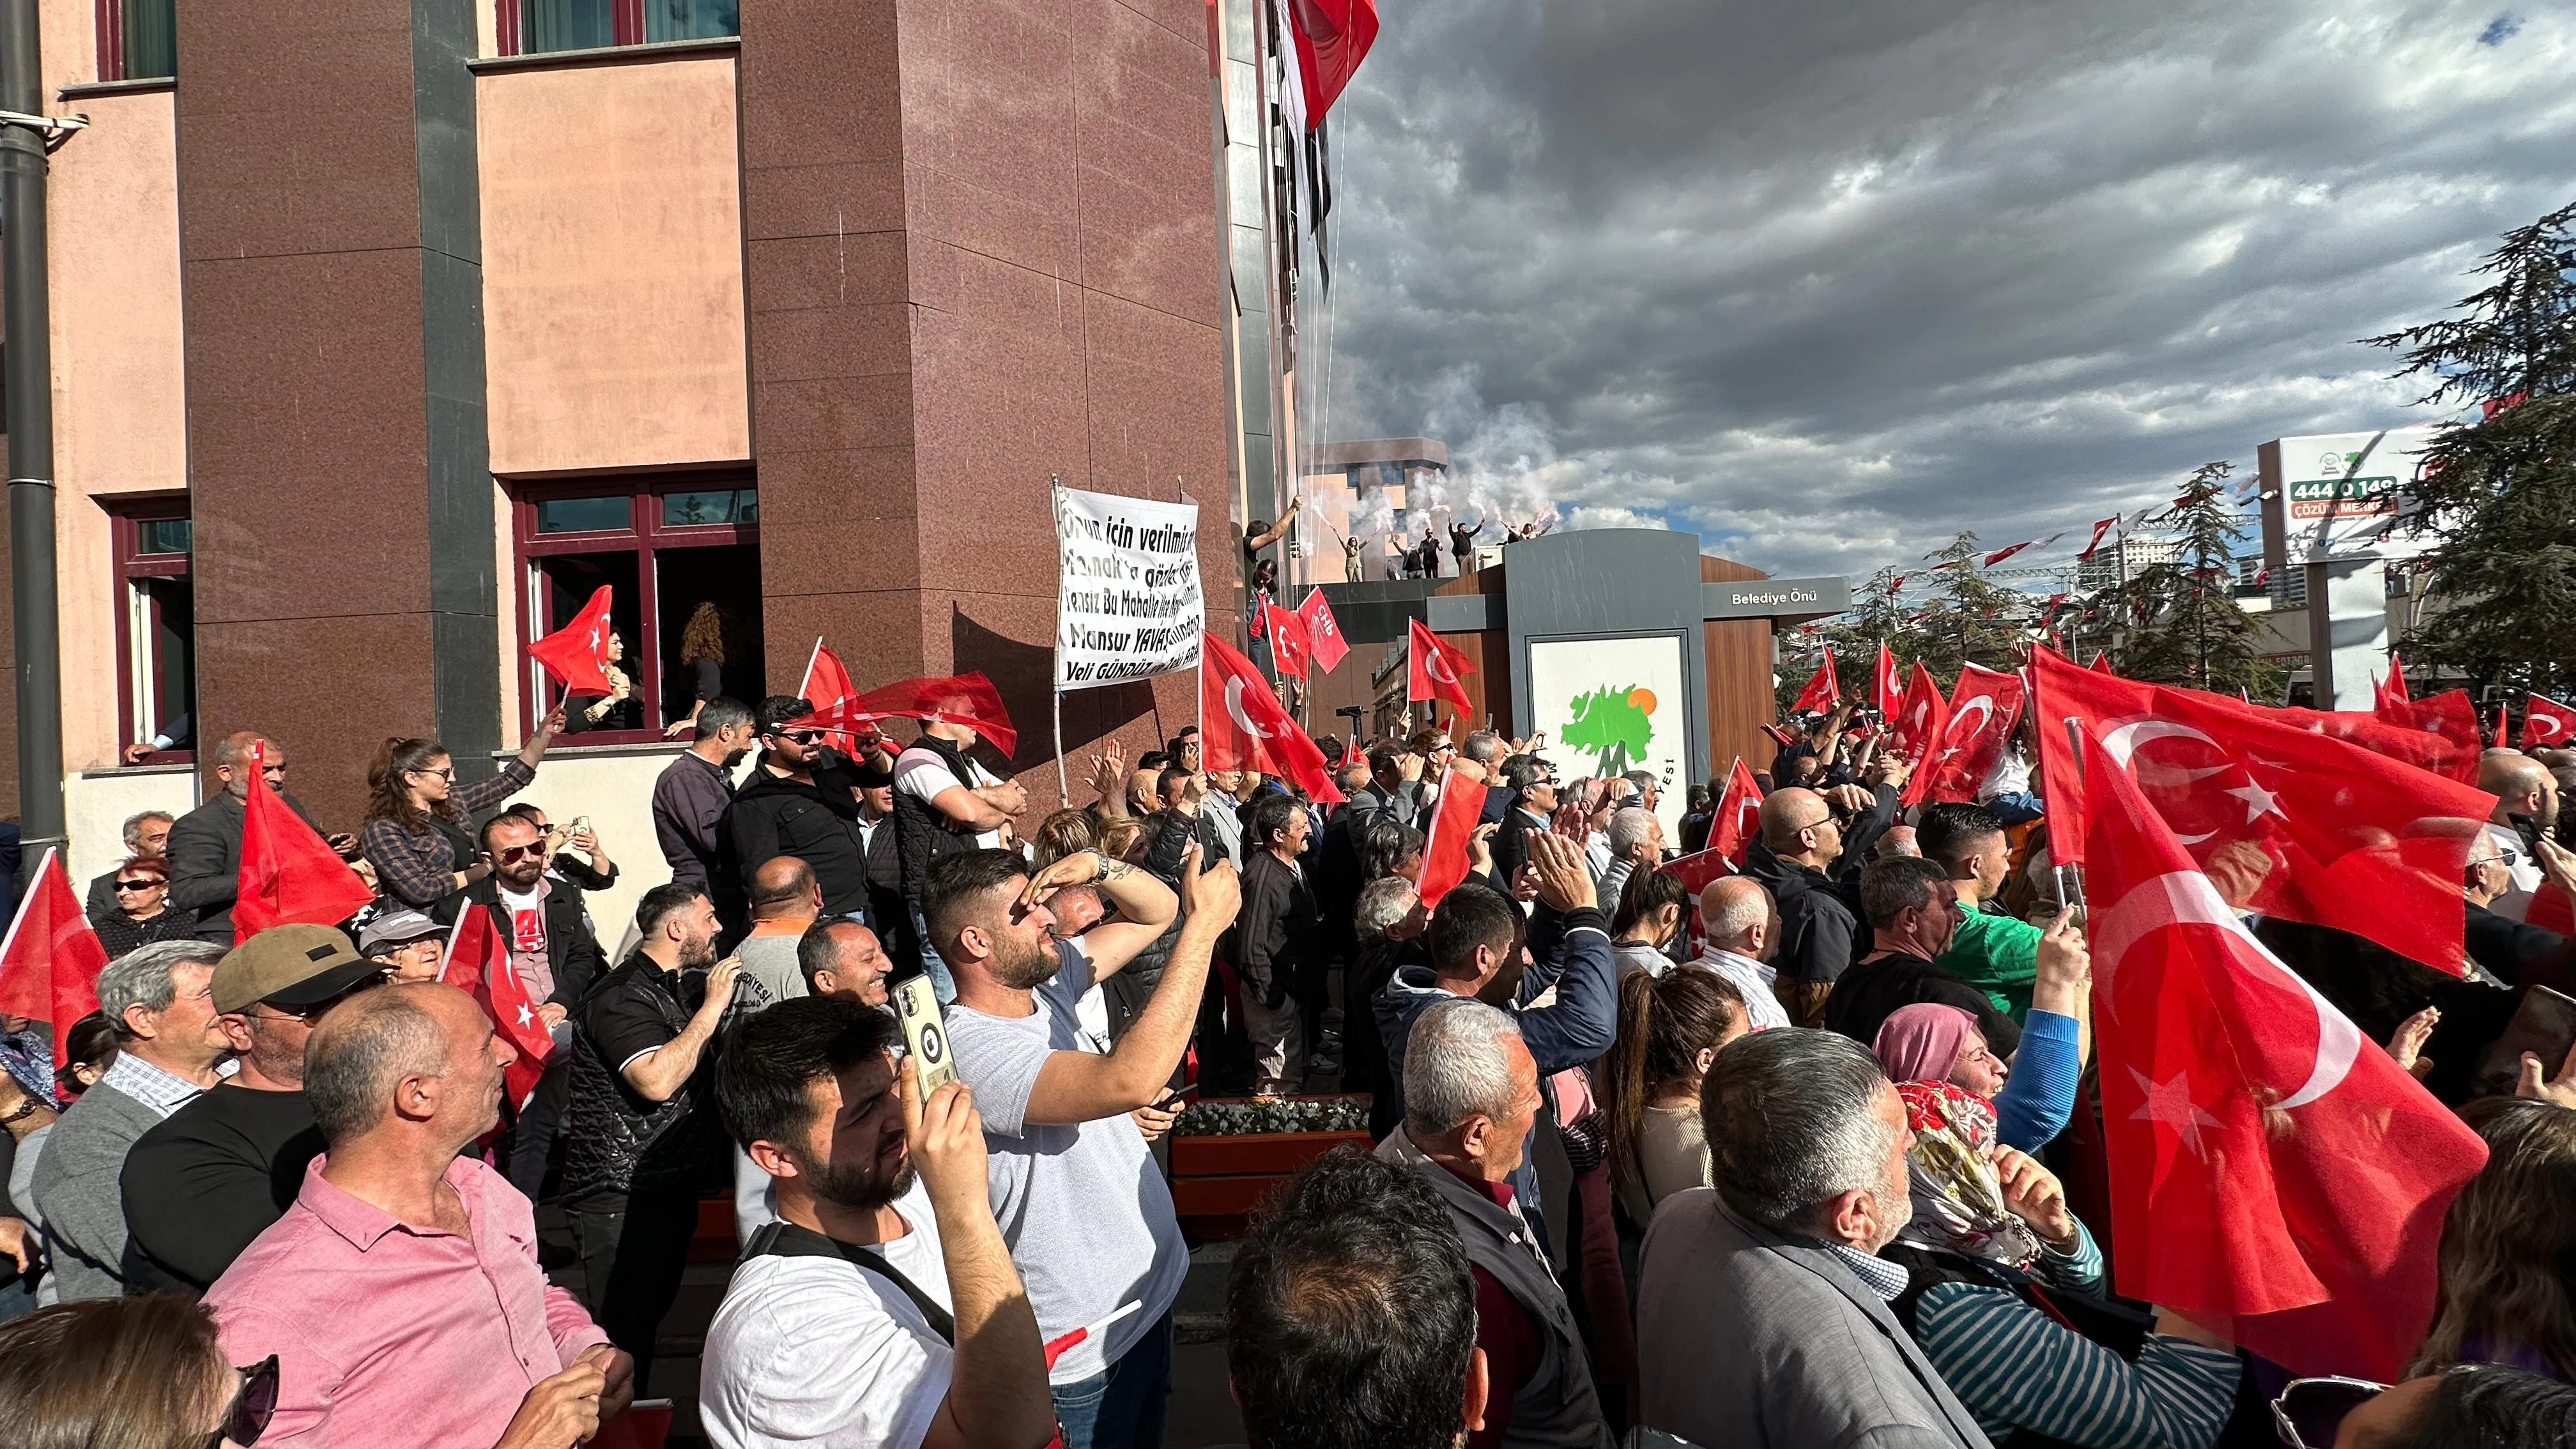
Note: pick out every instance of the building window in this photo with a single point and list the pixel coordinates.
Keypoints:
(534, 27)
(156, 632)
(138, 39)
(681, 557)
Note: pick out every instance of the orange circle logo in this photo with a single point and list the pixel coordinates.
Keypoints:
(1643, 698)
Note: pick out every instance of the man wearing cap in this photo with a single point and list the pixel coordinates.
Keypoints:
(214, 1174)
(407, 945)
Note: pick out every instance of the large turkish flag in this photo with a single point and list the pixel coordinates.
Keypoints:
(1243, 727)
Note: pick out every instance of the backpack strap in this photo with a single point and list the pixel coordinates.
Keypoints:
(787, 1240)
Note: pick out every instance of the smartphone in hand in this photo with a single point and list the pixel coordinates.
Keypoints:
(925, 1033)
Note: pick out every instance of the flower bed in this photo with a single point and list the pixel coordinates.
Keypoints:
(1228, 1154)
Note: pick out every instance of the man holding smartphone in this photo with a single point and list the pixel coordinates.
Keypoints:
(1086, 1212)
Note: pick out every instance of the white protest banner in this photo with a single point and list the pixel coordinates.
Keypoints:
(1128, 604)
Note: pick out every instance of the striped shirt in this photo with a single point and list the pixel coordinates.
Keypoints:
(163, 1091)
(2014, 1367)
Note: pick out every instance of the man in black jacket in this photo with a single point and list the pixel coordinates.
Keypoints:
(1811, 862)
(1471, 1097)
(205, 846)
(558, 959)
(1279, 949)
(1913, 910)
(799, 801)
(1532, 782)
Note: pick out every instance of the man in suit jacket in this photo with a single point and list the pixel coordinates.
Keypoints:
(1809, 1144)
(205, 846)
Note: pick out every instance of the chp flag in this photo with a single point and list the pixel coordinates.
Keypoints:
(1128, 601)
(1243, 727)
(2275, 1177)
(1323, 633)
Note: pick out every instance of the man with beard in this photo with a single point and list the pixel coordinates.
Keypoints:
(641, 1148)
(881, 1308)
(1088, 1217)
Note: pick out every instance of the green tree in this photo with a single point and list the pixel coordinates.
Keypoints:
(1970, 618)
(2498, 495)
(2186, 627)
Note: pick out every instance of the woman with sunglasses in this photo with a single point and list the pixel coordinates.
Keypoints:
(129, 1373)
(416, 832)
(143, 911)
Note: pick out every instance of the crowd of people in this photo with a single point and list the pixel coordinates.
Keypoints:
(1793, 1158)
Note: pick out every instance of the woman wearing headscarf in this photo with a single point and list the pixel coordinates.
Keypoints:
(2030, 1099)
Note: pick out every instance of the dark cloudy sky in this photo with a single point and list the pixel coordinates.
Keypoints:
(1825, 282)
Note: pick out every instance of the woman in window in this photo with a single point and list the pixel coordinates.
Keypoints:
(702, 657)
(415, 834)
(618, 709)
(143, 911)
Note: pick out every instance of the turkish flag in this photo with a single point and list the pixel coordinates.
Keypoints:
(1916, 727)
(2546, 724)
(1332, 38)
(1288, 647)
(1352, 754)
(1323, 633)
(2275, 1176)
(1984, 707)
(1779, 736)
(1738, 818)
(1432, 669)
(2306, 826)
(287, 873)
(1823, 690)
(968, 699)
(2101, 662)
(1446, 845)
(2392, 690)
(50, 960)
(1999, 555)
(2450, 715)
(577, 653)
(1243, 727)
(826, 682)
(479, 965)
(2100, 527)
(1887, 686)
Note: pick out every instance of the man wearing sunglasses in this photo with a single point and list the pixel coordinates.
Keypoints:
(214, 1174)
(557, 958)
(205, 846)
(801, 800)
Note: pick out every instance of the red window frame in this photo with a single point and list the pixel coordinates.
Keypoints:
(646, 536)
(125, 519)
(625, 24)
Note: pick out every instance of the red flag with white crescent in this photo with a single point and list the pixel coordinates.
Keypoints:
(1823, 691)
(1984, 706)
(2547, 724)
(1887, 687)
(1433, 669)
(1323, 633)
(1288, 647)
(577, 653)
(478, 964)
(1242, 725)
(1738, 818)
(287, 873)
(2331, 829)
(1914, 728)
(2275, 1176)
(1448, 845)
(968, 699)
(826, 681)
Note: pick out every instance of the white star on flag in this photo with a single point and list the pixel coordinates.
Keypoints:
(2171, 1103)
(526, 1016)
(2259, 802)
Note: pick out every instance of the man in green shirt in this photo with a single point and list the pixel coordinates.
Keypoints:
(1991, 951)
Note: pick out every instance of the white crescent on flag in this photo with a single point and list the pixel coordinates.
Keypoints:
(1234, 707)
(1437, 667)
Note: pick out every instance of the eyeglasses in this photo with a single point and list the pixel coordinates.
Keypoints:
(2310, 1412)
(802, 737)
(534, 851)
(145, 884)
(253, 1405)
(444, 772)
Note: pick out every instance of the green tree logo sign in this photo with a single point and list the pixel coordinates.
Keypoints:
(1616, 724)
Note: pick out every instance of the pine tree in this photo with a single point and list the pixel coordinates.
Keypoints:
(2498, 495)
(1971, 618)
(2186, 625)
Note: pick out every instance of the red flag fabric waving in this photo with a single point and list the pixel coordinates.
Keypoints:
(1432, 669)
(1352, 753)
(1739, 816)
(2101, 662)
(287, 873)
(1243, 727)
(1984, 707)
(2317, 828)
(1447, 845)
(968, 699)
(2547, 724)
(1823, 690)
(1323, 633)
(1915, 727)
(1779, 736)
(577, 653)
(2100, 527)
(2007, 551)
(826, 682)
(479, 965)
(50, 960)
(1288, 647)
(2504, 718)
(2392, 689)
(2451, 716)
(2275, 1177)
(1333, 36)
(1887, 686)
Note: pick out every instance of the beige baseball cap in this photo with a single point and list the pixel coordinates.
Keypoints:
(289, 966)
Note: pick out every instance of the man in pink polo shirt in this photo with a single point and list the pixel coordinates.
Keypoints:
(401, 1292)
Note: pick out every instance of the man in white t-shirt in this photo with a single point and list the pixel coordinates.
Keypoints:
(881, 1310)
(1080, 1201)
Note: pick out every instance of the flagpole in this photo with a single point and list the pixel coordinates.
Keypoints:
(1055, 686)
(811, 660)
(1063, 788)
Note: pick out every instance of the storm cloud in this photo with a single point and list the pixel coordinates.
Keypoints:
(1827, 283)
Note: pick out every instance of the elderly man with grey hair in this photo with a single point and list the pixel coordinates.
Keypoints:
(1636, 843)
(1470, 1095)
(160, 998)
(1808, 1142)
(1740, 928)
